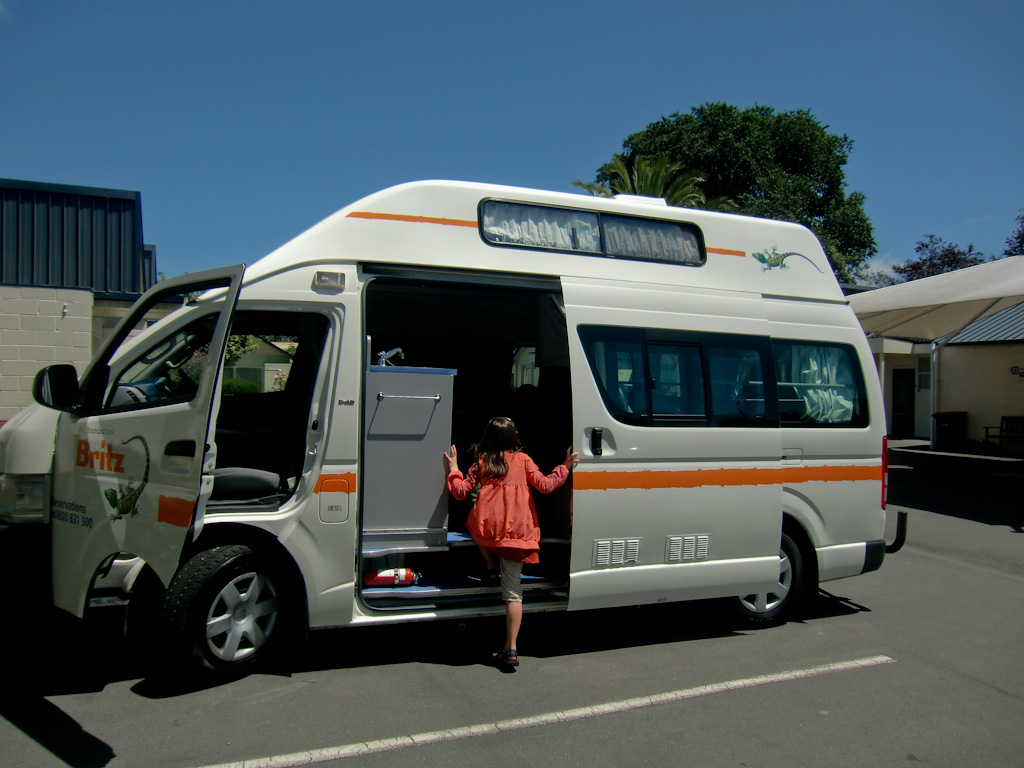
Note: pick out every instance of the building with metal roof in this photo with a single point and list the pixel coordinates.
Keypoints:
(1007, 326)
(981, 380)
(63, 236)
(72, 260)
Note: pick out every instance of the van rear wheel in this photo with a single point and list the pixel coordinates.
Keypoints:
(224, 608)
(773, 607)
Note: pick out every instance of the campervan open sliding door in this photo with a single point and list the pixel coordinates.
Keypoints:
(677, 504)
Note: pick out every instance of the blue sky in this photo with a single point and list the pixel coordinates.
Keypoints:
(244, 123)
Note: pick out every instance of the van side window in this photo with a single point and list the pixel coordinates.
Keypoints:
(616, 357)
(820, 384)
(541, 227)
(677, 381)
(736, 368)
(650, 240)
(592, 233)
(168, 371)
(663, 378)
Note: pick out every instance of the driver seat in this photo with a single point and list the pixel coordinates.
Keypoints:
(244, 484)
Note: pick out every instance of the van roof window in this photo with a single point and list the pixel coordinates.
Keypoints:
(592, 233)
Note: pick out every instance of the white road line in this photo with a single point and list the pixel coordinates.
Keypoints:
(401, 742)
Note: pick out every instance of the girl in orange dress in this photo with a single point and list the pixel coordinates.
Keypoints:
(503, 521)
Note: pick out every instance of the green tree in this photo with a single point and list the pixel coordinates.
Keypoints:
(234, 349)
(880, 279)
(238, 346)
(780, 165)
(1015, 242)
(935, 257)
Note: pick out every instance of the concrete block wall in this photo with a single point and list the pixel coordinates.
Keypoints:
(38, 327)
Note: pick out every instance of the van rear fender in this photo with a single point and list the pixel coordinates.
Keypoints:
(799, 510)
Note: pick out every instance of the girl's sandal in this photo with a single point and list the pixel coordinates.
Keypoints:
(507, 658)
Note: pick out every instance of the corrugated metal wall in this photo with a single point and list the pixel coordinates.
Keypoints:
(56, 235)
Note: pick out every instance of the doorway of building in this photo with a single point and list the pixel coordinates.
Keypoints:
(904, 393)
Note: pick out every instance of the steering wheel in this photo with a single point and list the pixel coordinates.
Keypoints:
(162, 389)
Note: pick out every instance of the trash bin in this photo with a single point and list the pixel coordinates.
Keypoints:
(950, 430)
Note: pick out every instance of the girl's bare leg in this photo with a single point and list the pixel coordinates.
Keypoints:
(513, 620)
(488, 557)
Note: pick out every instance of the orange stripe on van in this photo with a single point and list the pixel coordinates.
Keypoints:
(348, 478)
(699, 478)
(726, 252)
(175, 511)
(412, 219)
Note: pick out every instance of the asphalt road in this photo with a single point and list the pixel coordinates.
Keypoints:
(919, 662)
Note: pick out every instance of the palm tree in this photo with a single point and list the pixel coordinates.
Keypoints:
(593, 188)
(657, 178)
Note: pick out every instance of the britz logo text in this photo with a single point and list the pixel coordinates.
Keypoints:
(104, 458)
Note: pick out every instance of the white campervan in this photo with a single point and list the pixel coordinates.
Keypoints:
(706, 366)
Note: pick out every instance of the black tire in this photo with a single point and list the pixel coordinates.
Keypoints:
(226, 609)
(768, 609)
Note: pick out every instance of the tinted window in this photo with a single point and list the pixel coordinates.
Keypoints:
(819, 384)
(736, 367)
(678, 378)
(677, 381)
(616, 357)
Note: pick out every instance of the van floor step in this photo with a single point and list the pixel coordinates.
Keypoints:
(453, 539)
(464, 588)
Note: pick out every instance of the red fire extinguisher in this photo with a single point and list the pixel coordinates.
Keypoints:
(391, 577)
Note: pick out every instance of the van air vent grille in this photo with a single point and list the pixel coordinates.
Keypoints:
(687, 549)
(612, 552)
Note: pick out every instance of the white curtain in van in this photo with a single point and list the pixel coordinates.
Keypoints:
(542, 227)
(654, 240)
(827, 372)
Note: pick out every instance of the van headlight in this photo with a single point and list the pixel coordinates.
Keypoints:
(24, 498)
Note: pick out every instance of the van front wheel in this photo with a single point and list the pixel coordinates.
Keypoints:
(767, 608)
(224, 608)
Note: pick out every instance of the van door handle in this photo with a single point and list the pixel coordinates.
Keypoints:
(793, 456)
(596, 442)
(180, 448)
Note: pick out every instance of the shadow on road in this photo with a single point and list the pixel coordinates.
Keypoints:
(69, 656)
(52, 728)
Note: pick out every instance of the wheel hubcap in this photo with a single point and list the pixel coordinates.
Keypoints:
(769, 601)
(241, 617)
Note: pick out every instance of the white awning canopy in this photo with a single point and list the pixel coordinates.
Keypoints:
(940, 306)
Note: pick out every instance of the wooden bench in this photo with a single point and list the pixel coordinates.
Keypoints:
(1010, 428)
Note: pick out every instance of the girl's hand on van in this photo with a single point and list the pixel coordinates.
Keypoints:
(451, 462)
(571, 459)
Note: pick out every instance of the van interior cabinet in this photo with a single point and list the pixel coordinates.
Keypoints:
(408, 424)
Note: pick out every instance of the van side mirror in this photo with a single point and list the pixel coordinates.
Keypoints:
(56, 386)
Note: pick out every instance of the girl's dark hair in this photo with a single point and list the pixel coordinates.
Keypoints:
(499, 435)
